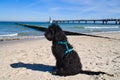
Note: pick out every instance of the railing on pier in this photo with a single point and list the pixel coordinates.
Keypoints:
(92, 21)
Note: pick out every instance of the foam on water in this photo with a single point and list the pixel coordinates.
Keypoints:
(99, 27)
(11, 34)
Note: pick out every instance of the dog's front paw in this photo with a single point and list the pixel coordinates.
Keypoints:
(54, 73)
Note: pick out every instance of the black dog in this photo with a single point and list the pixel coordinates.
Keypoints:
(67, 60)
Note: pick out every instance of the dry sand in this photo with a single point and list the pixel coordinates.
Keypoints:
(33, 59)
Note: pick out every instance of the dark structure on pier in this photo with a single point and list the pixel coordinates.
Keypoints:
(90, 21)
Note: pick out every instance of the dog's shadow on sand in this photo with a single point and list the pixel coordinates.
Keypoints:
(36, 67)
(47, 68)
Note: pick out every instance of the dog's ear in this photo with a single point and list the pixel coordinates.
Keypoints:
(60, 36)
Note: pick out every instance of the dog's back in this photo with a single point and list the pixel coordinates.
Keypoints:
(72, 64)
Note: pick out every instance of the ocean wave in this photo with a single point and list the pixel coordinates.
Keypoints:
(96, 27)
(10, 34)
(20, 38)
(104, 32)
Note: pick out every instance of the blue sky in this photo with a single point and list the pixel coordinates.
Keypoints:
(41, 10)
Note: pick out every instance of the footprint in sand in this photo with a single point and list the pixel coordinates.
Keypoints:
(116, 60)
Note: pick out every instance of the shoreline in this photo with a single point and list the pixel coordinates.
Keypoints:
(10, 38)
(20, 38)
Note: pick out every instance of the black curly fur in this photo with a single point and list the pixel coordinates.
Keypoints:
(69, 64)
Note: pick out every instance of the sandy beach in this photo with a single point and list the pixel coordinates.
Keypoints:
(33, 59)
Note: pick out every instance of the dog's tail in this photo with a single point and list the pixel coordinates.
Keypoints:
(94, 73)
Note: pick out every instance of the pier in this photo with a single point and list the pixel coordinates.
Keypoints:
(90, 21)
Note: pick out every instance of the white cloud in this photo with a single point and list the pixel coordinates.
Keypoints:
(76, 8)
(55, 8)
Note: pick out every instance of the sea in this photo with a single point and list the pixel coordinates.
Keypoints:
(10, 29)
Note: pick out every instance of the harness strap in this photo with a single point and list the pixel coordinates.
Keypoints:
(66, 44)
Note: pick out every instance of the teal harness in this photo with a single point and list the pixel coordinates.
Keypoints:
(66, 44)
